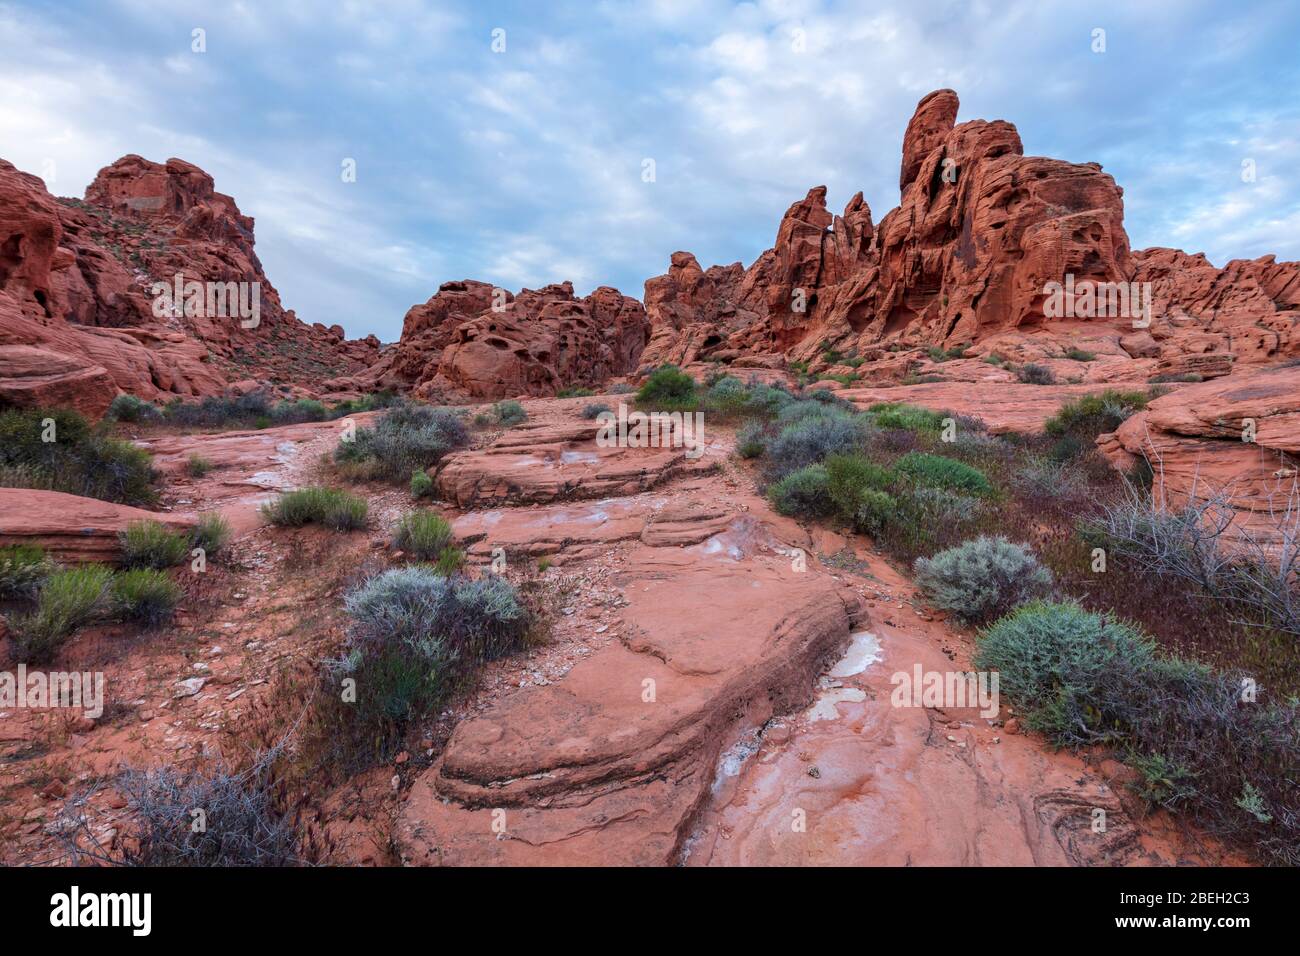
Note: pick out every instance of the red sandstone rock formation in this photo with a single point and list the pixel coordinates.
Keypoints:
(72, 528)
(473, 341)
(1240, 435)
(77, 317)
(980, 232)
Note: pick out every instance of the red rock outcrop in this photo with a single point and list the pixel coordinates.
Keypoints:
(72, 528)
(472, 340)
(78, 321)
(980, 232)
(1239, 434)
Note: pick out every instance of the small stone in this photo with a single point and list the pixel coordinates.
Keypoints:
(1012, 726)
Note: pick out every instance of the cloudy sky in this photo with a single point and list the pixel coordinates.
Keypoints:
(525, 165)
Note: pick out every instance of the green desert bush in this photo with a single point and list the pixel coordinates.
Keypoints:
(196, 466)
(1032, 373)
(151, 544)
(575, 391)
(129, 408)
(211, 533)
(1080, 355)
(936, 471)
(751, 440)
(56, 449)
(982, 578)
(145, 595)
(729, 397)
(595, 410)
(668, 389)
(804, 493)
(621, 388)
(415, 636)
(509, 412)
(1201, 747)
(69, 599)
(1087, 417)
(422, 534)
(849, 477)
(909, 417)
(421, 484)
(325, 506)
(23, 569)
(406, 437)
(874, 511)
(812, 438)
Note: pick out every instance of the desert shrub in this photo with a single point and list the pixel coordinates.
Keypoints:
(874, 511)
(751, 440)
(221, 411)
(1041, 480)
(936, 471)
(415, 635)
(575, 391)
(1080, 355)
(78, 460)
(941, 506)
(849, 477)
(69, 599)
(509, 412)
(595, 410)
(1176, 377)
(727, 396)
(241, 825)
(405, 437)
(151, 544)
(129, 408)
(211, 533)
(1198, 541)
(451, 560)
(1053, 659)
(620, 388)
(484, 420)
(196, 466)
(422, 534)
(145, 595)
(804, 493)
(302, 410)
(993, 358)
(668, 389)
(1084, 679)
(909, 417)
(1087, 417)
(421, 484)
(812, 438)
(23, 569)
(1031, 373)
(325, 506)
(982, 578)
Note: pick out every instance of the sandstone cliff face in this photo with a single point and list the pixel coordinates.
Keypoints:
(473, 341)
(967, 257)
(77, 317)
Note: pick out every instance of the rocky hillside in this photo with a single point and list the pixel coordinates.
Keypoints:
(78, 322)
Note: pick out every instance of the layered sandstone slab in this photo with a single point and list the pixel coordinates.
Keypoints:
(541, 463)
(1193, 439)
(609, 765)
(71, 528)
(1002, 406)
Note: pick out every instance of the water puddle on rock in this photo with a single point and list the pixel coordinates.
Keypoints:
(863, 651)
